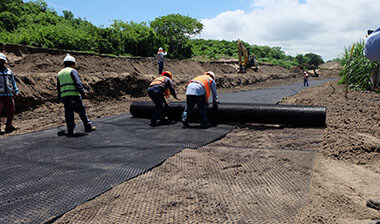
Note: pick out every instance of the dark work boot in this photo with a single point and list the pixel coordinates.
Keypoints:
(10, 129)
(89, 128)
(374, 203)
(205, 126)
(185, 123)
(70, 133)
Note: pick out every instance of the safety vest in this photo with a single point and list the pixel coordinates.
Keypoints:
(159, 81)
(205, 81)
(66, 83)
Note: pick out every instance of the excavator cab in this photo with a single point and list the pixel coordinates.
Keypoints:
(249, 60)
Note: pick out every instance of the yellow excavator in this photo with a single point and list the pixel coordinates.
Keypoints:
(249, 60)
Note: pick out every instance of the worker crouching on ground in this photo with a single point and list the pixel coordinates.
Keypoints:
(8, 91)
(198, 92)
(158, 90)
(70, 93)
(372, 52)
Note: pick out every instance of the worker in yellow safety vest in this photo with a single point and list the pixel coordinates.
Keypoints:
(70, 93)
(159, 89)
(198, 92)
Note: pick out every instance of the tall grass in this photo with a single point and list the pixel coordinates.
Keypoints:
(357, 69)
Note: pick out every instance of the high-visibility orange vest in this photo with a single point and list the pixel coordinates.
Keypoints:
(159, 81)
(205, 81)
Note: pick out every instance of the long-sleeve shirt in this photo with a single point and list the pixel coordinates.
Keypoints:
(197, 89)
(8, 86)
(372, 46)
(78, 84)
(160, 56)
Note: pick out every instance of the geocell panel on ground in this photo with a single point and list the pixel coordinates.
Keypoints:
(42, 176)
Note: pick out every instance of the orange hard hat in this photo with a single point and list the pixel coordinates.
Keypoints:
(168, 74)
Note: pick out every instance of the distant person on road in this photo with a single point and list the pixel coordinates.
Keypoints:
(372, 52)
(305, 78)
(161, 59)
(198, 92)
(159, 89)
(8, 91)
(70, 93)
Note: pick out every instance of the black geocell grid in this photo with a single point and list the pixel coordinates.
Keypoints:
(42, 176)
(268, 95)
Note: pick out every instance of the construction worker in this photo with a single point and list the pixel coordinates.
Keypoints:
(372, 52)
(198, 92)
(160, 60)
(159, 89)
(8, 91)
(305, 78)
(70, 93)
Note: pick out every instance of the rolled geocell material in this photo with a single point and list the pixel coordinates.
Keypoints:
(296, 115)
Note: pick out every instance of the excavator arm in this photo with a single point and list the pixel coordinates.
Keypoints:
(249, 60)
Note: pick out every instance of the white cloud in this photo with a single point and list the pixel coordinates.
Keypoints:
(324, 27)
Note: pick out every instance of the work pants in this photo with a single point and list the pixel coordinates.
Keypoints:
(305, 82)
(375, 78)
(201, 103)
(8, 104)
(74, 104)
(160, 67)
(156, 93)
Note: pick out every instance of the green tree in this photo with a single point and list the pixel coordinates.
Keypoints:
(314, 60)
(135, 38)
(301, 59)
(175, 30)
(68, 15)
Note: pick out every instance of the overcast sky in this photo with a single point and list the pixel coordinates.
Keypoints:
(324, 27)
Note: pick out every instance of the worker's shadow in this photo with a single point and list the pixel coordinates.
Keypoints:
(166, 123)
(75, 135)
(198, 126)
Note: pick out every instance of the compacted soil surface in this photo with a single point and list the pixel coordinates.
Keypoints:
(343, 173)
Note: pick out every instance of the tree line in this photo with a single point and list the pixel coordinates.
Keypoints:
(33, 23)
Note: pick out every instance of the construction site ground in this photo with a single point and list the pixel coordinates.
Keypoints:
(195, 184)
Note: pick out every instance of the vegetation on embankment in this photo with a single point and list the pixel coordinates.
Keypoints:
(357, 69)
(33, 23)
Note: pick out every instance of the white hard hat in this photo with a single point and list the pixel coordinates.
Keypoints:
(3, 57)
(211, 74)
(69, 58)
(160, 48)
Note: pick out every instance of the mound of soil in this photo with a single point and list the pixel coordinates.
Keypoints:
(353, 123)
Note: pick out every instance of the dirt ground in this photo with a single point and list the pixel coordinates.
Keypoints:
(345, 171)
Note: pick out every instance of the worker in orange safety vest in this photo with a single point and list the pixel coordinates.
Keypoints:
(198, 92)
(159, 89)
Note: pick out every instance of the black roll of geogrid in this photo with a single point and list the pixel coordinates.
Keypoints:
(295, 115)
